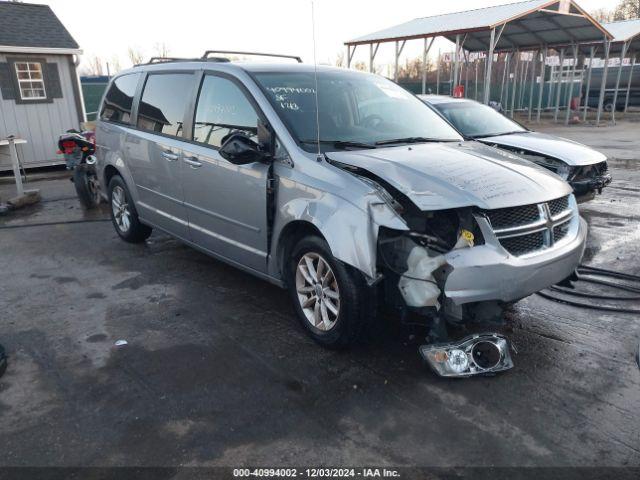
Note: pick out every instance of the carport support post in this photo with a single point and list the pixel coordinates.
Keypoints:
(425, 52)
(592, 52)
(488, 64)
(475, 97)
(535, 56)
(372, 55)
(456, 64)
(523, 82)
(399, 49)
(559, 87)
(515, 81)
(504, 96)
(543, 68)
(626, 100)
(570, 87)
(438, 73)
(623, 54)
(603, 82)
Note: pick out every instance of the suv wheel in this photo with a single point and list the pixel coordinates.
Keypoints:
(330, 298)
(123, 213)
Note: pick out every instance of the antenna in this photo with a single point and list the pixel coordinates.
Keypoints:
(315, 76)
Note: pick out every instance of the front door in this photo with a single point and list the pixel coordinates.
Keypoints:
(226, 203)
(154, 150)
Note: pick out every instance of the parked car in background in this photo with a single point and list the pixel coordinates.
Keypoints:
(584, 168)
(373, 198)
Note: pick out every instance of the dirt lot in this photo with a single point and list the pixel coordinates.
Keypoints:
(218, 372)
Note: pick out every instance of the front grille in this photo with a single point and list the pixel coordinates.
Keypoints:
(558, 205)
(560, 231)
(529, 228)
(523, 244)
(513, 216)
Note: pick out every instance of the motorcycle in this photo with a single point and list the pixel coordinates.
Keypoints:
(78, 149)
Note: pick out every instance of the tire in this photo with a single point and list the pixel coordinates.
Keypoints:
(339, 318)
(123, 213)
(607, 105)
(87, 186)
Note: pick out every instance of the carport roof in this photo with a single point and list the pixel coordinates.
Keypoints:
(625, 31)
(528, 24)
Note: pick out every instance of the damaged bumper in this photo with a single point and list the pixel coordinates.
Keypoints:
(488, 272)
(586, 189)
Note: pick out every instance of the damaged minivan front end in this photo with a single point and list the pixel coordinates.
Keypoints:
(477, 237)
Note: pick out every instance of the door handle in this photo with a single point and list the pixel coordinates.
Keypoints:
(193, 161)
(172, 157)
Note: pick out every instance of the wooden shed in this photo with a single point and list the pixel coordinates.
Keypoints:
(40, 94)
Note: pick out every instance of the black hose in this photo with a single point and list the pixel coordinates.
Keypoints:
(590, 306)
(590, 295)
(625, 287)
(611, 273)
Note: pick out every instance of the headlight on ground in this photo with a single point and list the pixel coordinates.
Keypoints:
(478, 354)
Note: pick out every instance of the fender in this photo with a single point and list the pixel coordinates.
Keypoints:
(350, 231)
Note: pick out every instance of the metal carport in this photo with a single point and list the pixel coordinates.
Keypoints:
(530, 25)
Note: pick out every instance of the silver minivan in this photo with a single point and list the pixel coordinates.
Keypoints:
(338, 185)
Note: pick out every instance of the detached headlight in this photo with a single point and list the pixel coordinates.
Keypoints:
(477, 354)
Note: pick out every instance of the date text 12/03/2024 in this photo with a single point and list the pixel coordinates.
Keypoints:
(316, 472)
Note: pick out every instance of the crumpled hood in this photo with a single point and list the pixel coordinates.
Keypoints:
(438, 176)
(573, 153)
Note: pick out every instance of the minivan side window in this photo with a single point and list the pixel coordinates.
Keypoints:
(119, 99)
(163, 103)
(223, 108)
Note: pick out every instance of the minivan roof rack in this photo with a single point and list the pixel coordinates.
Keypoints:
(154, 60)
(255, 54)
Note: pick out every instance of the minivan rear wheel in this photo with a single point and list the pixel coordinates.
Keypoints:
(123, 213)
(330, 298)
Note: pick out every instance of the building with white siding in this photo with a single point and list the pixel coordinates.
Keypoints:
(40, 94)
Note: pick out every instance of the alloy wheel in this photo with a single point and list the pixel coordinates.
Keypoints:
(120, 208)
(318, 291)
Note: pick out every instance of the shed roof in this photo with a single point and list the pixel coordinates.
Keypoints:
(528, 24)
(33, 26)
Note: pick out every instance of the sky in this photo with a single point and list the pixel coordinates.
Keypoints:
(107, 28)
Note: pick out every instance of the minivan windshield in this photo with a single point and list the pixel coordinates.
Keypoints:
(476, 120)
(355, 110)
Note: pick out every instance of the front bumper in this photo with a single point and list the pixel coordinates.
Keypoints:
(587, 188)
(489, 273)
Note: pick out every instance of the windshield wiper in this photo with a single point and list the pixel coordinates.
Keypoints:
(498, 134)
(394, 141)
(341, 143)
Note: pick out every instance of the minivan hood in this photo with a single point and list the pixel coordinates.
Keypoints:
(437, 176)
(573, 153)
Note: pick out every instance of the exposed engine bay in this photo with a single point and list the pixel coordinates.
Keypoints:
(585, 180)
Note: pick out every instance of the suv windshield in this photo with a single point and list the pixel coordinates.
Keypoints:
(355, 110)
(476, 120)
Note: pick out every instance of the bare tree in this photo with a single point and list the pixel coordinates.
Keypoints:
(602, 15)
(94, 66)
(114, 64)
(135, 55)
(161, 49)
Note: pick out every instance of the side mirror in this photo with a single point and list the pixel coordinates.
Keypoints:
(266, 138)
(241, 150)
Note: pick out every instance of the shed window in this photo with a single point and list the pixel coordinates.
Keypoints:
(30, 80)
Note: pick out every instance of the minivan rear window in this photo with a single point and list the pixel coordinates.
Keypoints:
(163, 103)
(119, 99)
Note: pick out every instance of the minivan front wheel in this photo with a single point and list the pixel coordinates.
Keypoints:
(123, 213)
(330, 298)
